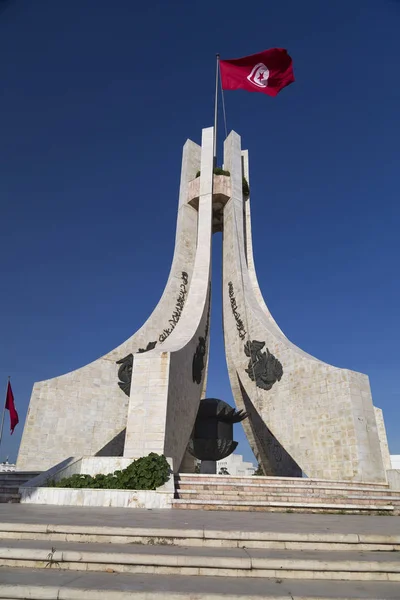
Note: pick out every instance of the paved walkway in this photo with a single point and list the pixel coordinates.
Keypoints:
(197, 519)
(17, 583)
(114, 551)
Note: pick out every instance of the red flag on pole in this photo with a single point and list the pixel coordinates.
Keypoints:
(267, 72)
(10, 406)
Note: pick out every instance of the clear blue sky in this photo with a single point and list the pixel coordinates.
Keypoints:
(97, 99)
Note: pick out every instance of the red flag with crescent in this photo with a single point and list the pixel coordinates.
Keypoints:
(267, 72)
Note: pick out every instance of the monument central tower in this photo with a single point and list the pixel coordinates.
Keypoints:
(304, 415)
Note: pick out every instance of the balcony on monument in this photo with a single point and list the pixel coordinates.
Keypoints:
(221, 195)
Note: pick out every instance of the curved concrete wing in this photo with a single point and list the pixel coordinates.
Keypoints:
(167, 383)
(85, 412)
(304, 415)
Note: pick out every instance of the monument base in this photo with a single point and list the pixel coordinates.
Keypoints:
(91, 497)
(284, 494)
(208, 467)
(35, 491)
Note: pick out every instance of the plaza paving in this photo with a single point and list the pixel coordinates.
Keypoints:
(184, 520)
(193, 555)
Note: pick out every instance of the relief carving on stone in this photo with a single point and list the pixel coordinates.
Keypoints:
(198, 358)
(236, 314)
(263, 367)
(150, 346)
(125, 370)
(176, 315)
(125, 373)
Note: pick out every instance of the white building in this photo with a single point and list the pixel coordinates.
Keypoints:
(235, 465)
(6, 467)
(395, 460)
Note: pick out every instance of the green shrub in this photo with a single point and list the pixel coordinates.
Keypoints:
(217, 171)
(146, 473)
(150, 472)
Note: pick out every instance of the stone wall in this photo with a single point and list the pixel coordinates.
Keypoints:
(36, 492)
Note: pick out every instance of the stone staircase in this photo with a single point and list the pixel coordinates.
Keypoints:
(175, 554)
(274, 494)
(10, 482)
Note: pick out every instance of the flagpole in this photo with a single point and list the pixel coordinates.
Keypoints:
(216, 112)
(4, 412)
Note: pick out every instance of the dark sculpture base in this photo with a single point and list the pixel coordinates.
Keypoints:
(208, 467)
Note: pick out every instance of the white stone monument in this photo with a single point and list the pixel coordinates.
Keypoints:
(304, 415)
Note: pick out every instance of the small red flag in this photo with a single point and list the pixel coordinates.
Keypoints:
(267, 72)
(10, 406)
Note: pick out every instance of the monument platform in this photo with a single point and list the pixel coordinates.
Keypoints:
(195, 554)
(283, 494)
(10, 482)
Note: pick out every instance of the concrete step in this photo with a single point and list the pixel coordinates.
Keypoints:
(232, 495)
(276, 481)
(18, 475)
(14, 476)
(276, 506)
(9, 497)
(199, 528)
(283, 489)
(11, 482)
(49, 584)
(181, 560)
(220, 492)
